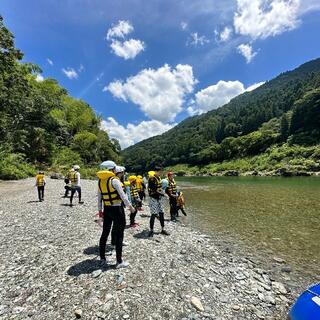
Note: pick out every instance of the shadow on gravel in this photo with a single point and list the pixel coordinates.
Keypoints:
(65, 204)
(94, 250)
(143, 234)
(143, 215)
(88, 266)
(33, 201)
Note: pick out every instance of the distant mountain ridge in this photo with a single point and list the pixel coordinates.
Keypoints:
(258, 119)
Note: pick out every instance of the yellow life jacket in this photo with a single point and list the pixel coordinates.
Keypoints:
(159, 185)
(133, 192)
(139, 185)
(40, 180)
(172, 186)
(73, 178)
(180, 200)
(110, 195)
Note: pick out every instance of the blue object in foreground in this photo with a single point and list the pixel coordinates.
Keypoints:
(307, 307)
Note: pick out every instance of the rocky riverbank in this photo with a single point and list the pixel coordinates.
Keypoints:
(49, 267)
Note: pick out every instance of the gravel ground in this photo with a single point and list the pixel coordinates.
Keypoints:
(49, 267)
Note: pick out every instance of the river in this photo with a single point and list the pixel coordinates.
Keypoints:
(274, 217)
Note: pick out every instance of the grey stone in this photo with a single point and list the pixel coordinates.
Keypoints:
(96, 273)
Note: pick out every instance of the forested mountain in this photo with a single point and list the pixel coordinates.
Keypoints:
(40, 124)
(283, 111)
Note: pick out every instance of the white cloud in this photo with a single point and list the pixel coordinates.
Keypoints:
(218, 95)
(192, 111)
(99, 77)
(255, 86)
(120, 30)
(309, 5)
(265, 18)
(247, 51)
(70, 73)
(81, 68)
(197, 39)
(132, 134)
(128, 49)
(50, 61)
(225, 35)
(39, 78)
(159, 93)
(183, 25)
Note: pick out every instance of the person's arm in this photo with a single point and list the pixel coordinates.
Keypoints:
(117, 185)
(79, 180)
(99, 201)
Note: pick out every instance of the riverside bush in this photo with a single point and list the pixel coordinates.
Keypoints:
(13, 167)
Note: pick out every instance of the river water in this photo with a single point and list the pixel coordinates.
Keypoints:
(275, 217)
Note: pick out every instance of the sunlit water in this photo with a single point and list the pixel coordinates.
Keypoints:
(275, 216)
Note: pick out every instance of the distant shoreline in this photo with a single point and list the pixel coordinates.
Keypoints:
(237, 173)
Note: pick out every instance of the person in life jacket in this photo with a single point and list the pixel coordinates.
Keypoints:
(40, 183)
(141, 187)
(135, 200)
(67, 186)
(119, 173)
(155, 194)
(180, 202)
(171, 191)
(111, 194)
(75, 184)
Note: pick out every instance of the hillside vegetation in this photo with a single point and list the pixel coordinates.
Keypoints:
(277, 125)
(41, 126)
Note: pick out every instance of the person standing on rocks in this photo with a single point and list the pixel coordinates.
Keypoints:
(171, 191)
(40, 183)
(135, 200)
(75, 184)
(110, 192)
(141, 187)
(67, 186)
(155, 194)
(180, 202)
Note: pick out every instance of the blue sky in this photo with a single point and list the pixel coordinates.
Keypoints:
(147, 65)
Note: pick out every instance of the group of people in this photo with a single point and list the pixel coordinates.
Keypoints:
(72, 184)
(117, 191)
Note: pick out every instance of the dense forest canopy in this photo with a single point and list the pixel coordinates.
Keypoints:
(40, 123)
(285, 110)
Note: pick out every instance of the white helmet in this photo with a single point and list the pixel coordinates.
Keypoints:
(108, 165)
(76, 167)
(164, 184)
(120, 169)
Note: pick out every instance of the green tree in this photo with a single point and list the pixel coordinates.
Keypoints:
(284, 127)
